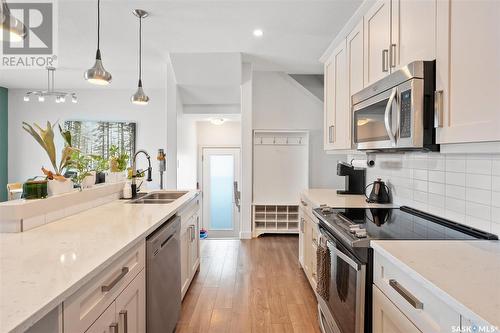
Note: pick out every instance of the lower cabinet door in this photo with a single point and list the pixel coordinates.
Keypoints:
(194, 251)
(131, 306)
(105, 322)
(387, 318)
(185, 266)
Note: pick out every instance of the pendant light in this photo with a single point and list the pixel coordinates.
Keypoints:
(10, 25)
(58, 96)
(97, 74)
(140, 98)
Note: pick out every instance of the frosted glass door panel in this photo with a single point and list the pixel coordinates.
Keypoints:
(221, 192)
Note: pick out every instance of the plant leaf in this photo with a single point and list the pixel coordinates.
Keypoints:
(45, 139)
(66, 136)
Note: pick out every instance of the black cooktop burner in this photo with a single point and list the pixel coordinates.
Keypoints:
(395, 223)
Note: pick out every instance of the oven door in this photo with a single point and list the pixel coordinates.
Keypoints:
(346, 299)
(375, 121)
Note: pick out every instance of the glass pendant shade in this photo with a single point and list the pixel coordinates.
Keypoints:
(140, 98)
(9, 24)
(97, 74)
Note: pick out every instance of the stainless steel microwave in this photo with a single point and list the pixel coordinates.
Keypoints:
(397, 112)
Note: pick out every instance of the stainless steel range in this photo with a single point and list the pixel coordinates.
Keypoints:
(348, 233)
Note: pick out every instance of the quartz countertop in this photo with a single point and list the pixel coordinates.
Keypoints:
(464, 274)
(330, 198)
(41, 267)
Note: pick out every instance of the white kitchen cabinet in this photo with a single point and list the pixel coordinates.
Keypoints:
(355, 60)
(106, 322)
(131, 305)
(387, 318)
(413, 32)
(396, 33)
(309, 243)
(377, 35)
(467, 68)
(190, 244)
(337, 115)
(87, 304)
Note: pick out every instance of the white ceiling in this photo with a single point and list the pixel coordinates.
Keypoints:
(295, 35)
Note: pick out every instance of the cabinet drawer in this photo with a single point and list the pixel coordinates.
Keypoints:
(306, 207)
(83, 307)
(192, 208)
(421, 306)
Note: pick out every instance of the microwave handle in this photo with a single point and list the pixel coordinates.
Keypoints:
(387, 114)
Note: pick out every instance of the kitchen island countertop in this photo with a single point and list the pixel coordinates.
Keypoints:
(41, 267)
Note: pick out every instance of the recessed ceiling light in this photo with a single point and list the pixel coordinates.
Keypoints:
(258, 32)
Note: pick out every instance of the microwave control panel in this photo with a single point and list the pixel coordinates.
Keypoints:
(405, 115)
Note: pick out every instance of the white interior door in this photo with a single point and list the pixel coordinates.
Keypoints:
(220, 185)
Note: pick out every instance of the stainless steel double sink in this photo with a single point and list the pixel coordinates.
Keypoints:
(158, 197)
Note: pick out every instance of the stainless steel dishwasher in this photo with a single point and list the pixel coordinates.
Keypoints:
(163, 277)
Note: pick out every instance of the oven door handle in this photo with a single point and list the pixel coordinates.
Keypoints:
(387, 114)
(343, 256)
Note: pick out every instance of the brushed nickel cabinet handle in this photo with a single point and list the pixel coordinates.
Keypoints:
(113, 328)
(303, 203)
(408, 296)
(110, 286)
(393, 55)
(123, 328)
(302, 224)
(385, 60)
(192, 227)
(331, 134)
(438, 108)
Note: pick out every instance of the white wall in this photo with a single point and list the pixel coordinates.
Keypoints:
(464, 188)
(227, 134)
(173, 104)
(187, 150)
(26, 157)
(279, 102)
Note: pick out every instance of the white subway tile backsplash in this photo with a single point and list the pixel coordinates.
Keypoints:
(461, 187)
(482, 167)
(437, 176)
(455, 178)
(437, 188)
(457, 192)
(478, 210)
(478, 196)
(455, 165)
(478, 181)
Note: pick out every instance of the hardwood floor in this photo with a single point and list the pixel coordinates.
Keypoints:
(250, 286)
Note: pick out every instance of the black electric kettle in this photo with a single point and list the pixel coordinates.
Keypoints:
(379, 194)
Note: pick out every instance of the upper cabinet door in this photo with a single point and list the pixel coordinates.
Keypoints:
(467, 70)
(328, 103)
(355, 60)
(341, 111)
(413, 35)
(377, 26)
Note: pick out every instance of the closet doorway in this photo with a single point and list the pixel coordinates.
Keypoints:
(220, 183)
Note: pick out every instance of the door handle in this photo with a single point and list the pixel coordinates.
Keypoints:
(388, 112)
(438, 108)
(110, 286)
(123, 322)
(385, 60)
(393, 55)
(237, 195)
(408, 296)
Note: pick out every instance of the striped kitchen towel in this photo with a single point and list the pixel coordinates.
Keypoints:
(323, 269)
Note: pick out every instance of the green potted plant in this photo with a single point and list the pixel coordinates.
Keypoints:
(84, 176)
(101, 165)
(57, 183)
(118, 160)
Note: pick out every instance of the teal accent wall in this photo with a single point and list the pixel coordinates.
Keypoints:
(4, 124)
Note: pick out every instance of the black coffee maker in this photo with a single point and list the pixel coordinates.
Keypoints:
(355, 178)
(380, 192)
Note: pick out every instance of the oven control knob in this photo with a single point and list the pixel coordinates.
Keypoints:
(354, 228)
(361, 233)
